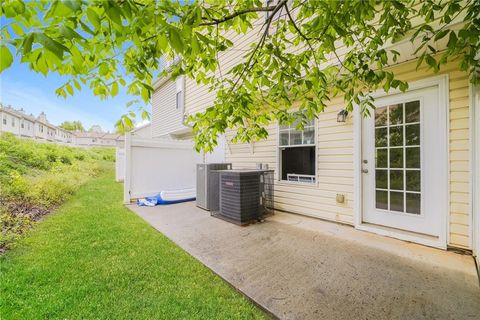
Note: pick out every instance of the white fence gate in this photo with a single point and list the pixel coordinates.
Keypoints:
(155, 165)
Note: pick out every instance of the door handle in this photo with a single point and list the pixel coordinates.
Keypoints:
(365, 170)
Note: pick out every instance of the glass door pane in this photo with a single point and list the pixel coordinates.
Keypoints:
(397, 158)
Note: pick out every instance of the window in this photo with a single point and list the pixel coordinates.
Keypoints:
(397, 157)
(297, 153)
(4, 120)
(179, 96)
(22, 125)
(179, 100)
(13, 122)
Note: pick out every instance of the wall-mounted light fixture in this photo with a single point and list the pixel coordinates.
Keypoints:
(342, 115)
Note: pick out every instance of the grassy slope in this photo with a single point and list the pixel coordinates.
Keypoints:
(95, 259)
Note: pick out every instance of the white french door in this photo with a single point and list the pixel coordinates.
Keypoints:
(403, 162)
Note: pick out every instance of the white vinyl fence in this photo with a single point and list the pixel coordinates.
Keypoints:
(119, 164)
(155, 165)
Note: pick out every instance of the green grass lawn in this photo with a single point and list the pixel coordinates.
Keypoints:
(94, 259)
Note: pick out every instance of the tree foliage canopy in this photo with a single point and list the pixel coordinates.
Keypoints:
(72, 125)
(107, 44)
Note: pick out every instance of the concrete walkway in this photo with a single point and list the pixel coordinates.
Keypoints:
(302, 268)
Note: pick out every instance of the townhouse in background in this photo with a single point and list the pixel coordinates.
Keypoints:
(410, 171)
(44, 129)
(17, 122)
(96, 139)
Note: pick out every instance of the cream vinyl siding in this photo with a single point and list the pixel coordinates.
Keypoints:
(335, 172)
(334, 166)
(166, 118)
(199, 97)
(334, 152)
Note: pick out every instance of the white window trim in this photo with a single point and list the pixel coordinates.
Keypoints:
(180, 88)
(442, 241)
(279, 159)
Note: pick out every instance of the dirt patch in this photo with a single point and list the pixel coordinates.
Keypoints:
(24, 209)
(16, 218)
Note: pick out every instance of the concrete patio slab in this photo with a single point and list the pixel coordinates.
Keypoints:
(303, 268)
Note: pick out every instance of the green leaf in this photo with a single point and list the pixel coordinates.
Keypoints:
(127, 122)
(51, 45)
(195, 45)
(114, 91)
(441, 34)
(103, 70)
(19, 7)
(420, 60)
(162, 42)
(93, 18)
(17, 29)
(386, 85)
(6, 58)
(86, 28)
(72, 4)
(145, 94)
(115, 15)
(452, 40)
(176, 40)
(69, 89)
(431, 62)
(77, 58)
(27, 43)
(77, 85)
(69, 33)
(403, 86)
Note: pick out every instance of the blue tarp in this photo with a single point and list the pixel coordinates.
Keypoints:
(157, 200)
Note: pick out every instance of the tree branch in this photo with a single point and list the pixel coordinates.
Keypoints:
(302, 35)
(236, 14)
(260, 43)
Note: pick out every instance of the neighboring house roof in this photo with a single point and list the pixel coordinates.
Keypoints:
(111, 136)
(46, 123)
(91, 135)
(86, 134)
(17, 113)
(42, 118)
(64, 130)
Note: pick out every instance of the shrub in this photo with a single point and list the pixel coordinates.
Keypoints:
(51, 157)
(16, 187)
(50, 190)
(65, 159)
(79, 156)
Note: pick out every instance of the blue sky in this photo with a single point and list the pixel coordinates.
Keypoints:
(23, 88)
